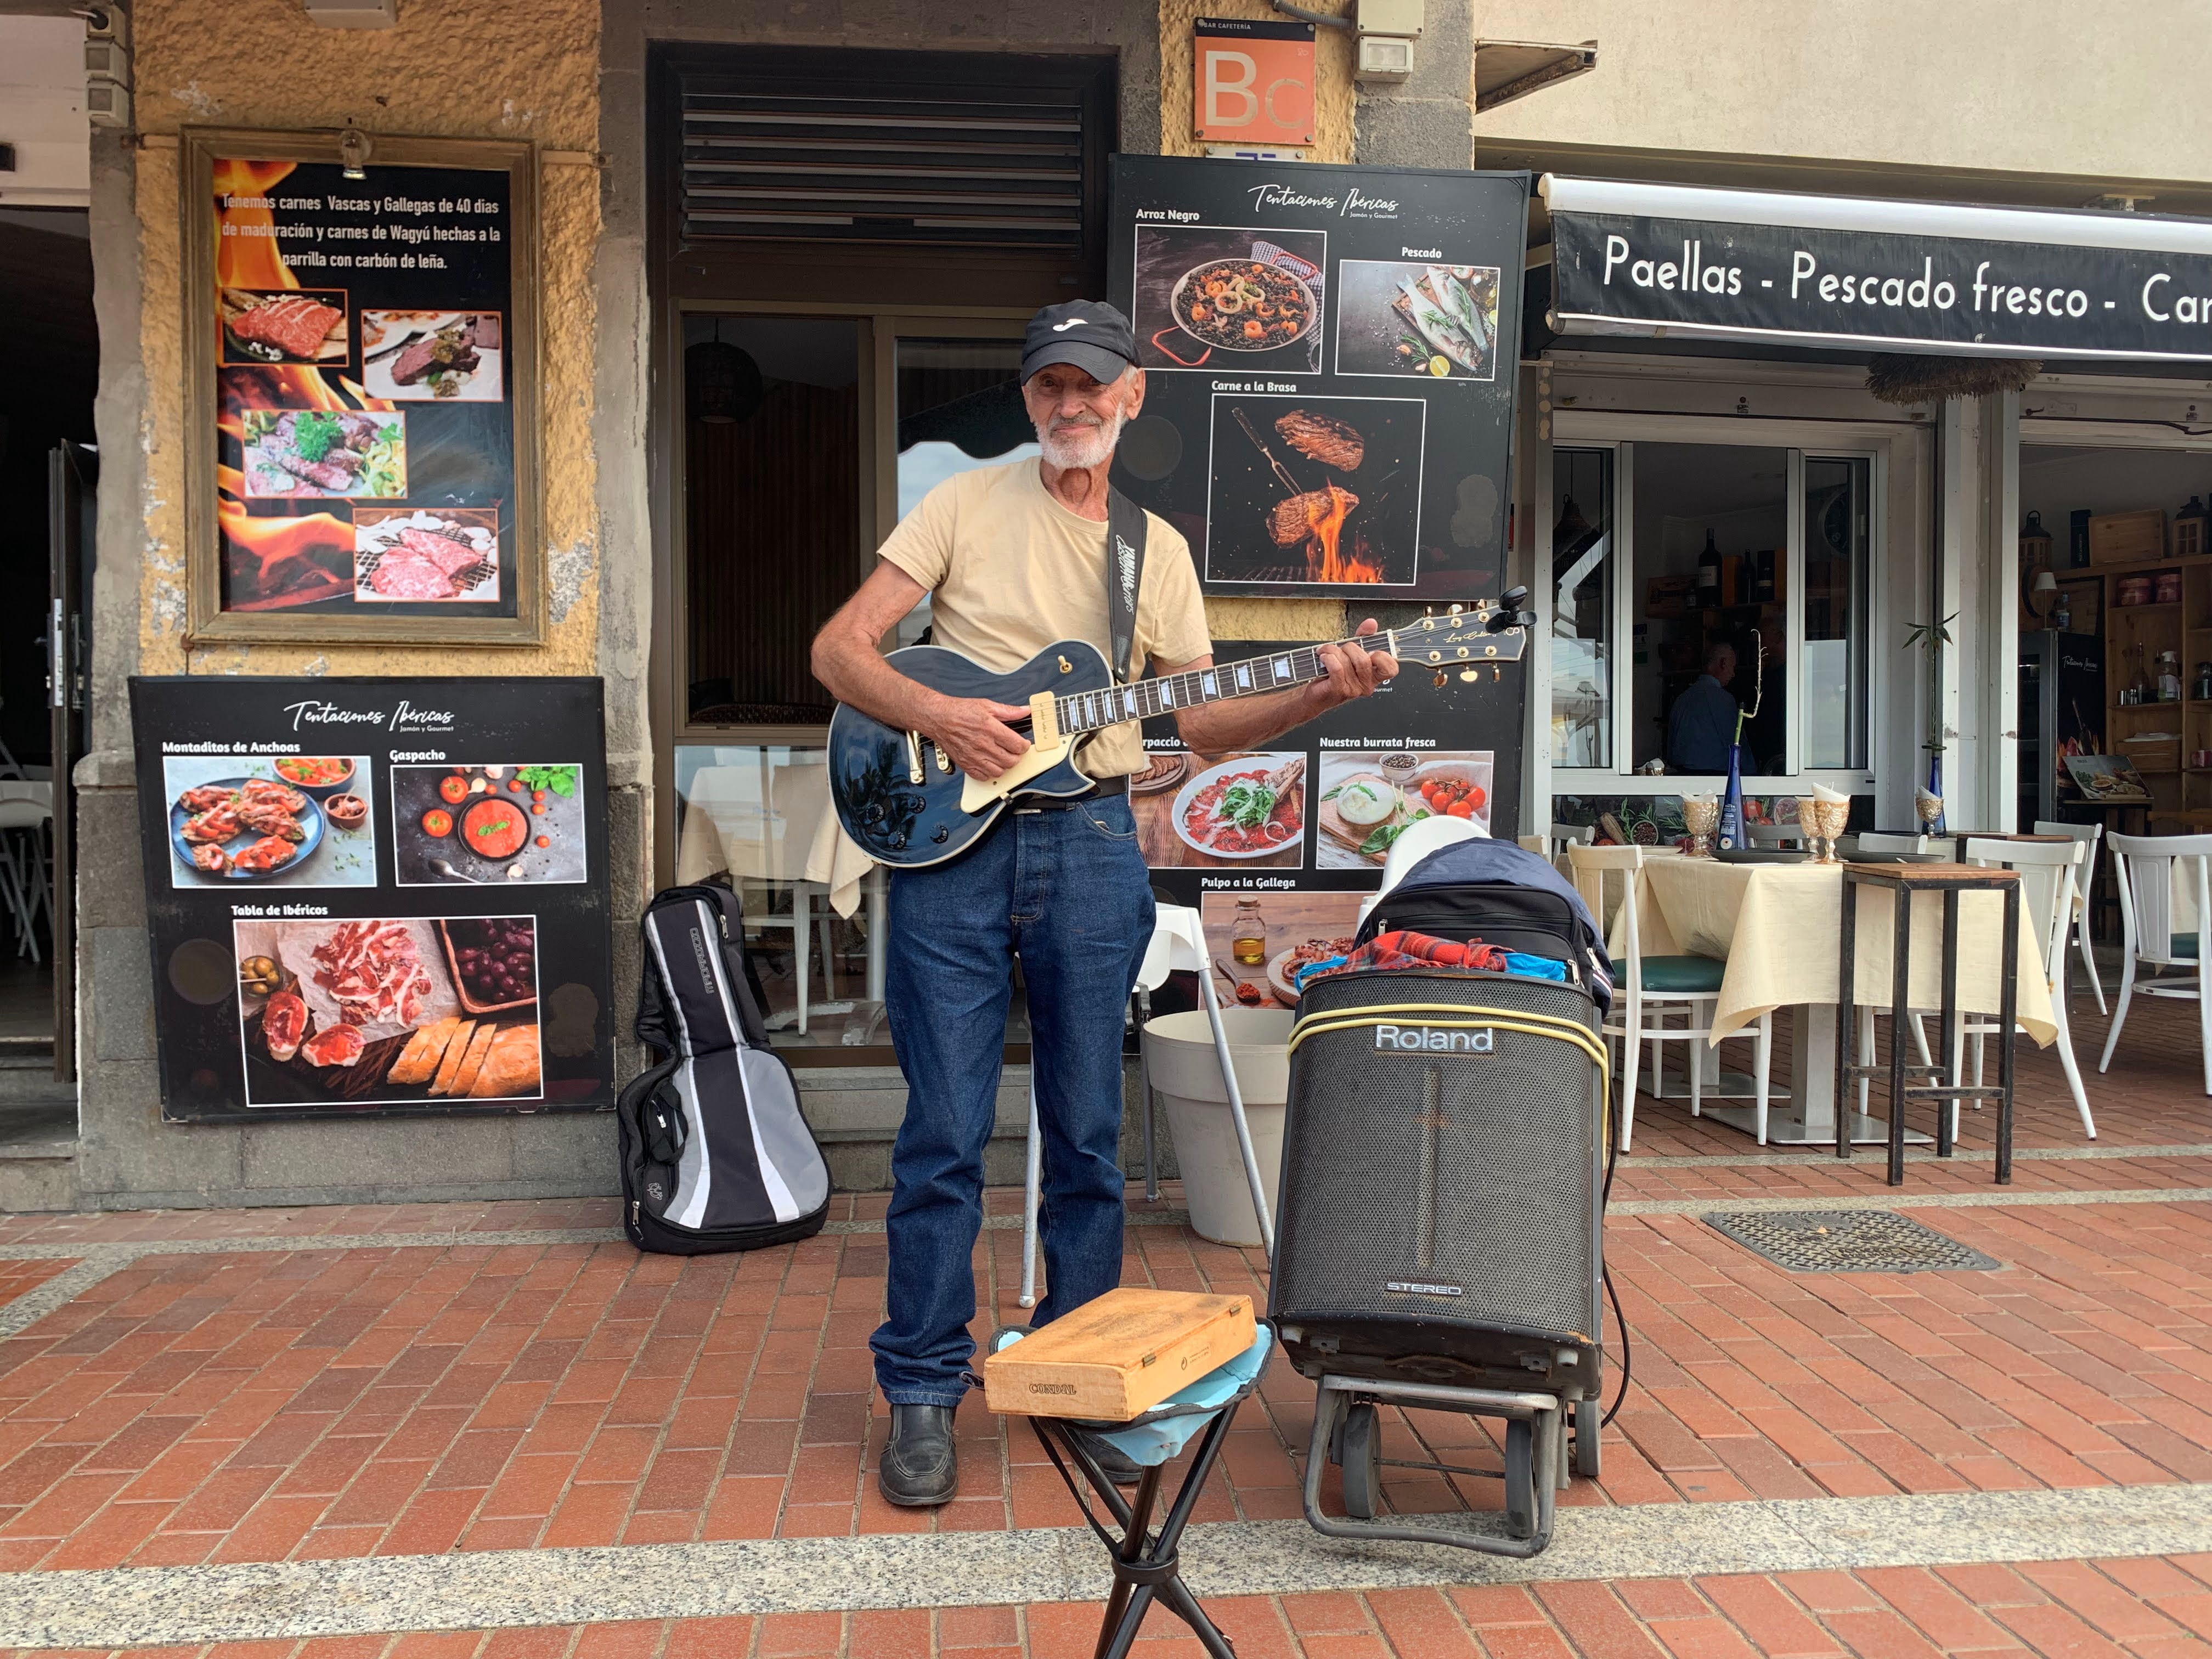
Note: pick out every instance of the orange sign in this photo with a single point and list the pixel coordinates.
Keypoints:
(1255, 82)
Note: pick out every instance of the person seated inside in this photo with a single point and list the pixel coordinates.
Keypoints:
(1701, 726)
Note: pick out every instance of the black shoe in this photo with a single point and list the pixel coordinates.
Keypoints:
(1111, 1458)
(921, 1468)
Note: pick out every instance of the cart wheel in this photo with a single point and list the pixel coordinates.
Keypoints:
(1521, 1478)
(1363, 1462)
(1587, 1431)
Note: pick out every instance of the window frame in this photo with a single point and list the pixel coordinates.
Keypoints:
(1817, 439)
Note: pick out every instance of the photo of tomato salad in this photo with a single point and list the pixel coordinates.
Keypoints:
(490, 822)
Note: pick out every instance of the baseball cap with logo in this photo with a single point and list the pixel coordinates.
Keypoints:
(1089, 334)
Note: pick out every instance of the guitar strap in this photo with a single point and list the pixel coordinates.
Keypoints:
(1125, 577)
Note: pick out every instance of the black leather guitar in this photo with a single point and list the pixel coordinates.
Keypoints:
(905, 803)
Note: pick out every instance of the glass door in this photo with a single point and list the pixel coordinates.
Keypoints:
(807, 439)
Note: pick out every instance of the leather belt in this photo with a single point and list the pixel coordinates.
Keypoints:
(1104, 790)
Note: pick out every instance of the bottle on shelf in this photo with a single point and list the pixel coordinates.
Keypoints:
(1708, 573)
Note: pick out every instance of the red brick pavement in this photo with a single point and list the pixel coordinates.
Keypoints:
(415, 1399)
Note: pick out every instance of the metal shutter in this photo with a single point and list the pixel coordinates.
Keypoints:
(886, 166)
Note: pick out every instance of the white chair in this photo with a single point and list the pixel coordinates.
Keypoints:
(757, 822)
(25, 881)
(1663, 986)
(2145, 868)
(2046, 879)
(2088, 834)
(1178, 945)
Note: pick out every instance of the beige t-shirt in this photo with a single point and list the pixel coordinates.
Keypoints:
(1013, 569)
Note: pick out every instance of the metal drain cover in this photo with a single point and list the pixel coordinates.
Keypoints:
(1847, 1241)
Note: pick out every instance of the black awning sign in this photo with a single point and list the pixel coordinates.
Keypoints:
(1617, 273)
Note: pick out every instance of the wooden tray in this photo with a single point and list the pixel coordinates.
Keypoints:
(469, 1004)
(1119, 1356)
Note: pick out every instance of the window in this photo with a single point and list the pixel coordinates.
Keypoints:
(1705, 595)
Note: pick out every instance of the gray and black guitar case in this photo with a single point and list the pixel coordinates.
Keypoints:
(715, 1153)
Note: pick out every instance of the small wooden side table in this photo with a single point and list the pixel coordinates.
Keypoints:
(1904, 881)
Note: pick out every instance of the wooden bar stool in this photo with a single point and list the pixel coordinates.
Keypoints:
(1904, 881)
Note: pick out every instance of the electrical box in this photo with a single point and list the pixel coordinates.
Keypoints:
(353, 14)
(1403, 18)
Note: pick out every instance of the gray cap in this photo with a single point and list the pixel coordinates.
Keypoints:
(1086, 334)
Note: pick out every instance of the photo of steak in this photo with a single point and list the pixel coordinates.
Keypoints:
(484, 330)
(1302, 515)
(403, 575)
(1324, 439)
(450, 553)
(267, 853)
(266, 817)
(294, 325)
(448, 350)
(203, 798)
(326, 474)
(213, 860)
(217, 824)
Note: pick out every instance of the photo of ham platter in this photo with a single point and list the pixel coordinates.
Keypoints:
(425, 554)
(443, 356)
(292, 820)
(283, 326)
(417, 1010)
(494, 825)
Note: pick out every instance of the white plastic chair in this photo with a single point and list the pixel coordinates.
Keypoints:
(25, 883)
(2143, 867)
(2088, 834)
(1178, 946)
(1664, 985)
(1873, 842)
(2046, 881)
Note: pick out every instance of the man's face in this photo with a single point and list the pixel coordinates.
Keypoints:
(1078, 419)
(1724, 666)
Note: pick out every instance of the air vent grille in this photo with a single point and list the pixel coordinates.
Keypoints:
(1008, 173)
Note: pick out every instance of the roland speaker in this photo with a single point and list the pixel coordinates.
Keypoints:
(1440, 1208)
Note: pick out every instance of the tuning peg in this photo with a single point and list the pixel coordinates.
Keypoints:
(1442, 679)
(1511, 597)
(1470, 674)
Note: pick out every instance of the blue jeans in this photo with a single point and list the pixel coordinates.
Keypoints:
(1067, 892)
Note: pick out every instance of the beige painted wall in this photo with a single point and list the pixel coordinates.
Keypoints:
(259, 63)
(2029, 86)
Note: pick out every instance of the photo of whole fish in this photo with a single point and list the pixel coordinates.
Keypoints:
(1406, 318)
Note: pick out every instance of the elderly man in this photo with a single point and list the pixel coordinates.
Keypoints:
(1014, 558)
(1701, 726)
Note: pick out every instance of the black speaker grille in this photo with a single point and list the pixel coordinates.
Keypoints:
(1472, 1174)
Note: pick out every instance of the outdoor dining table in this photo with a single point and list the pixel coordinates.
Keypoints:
(1779, 927)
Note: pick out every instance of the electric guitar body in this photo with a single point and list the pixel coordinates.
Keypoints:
(906, 805)
(901, 820)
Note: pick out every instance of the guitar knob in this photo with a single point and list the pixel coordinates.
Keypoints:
(874, 813)
(896, 843)
(941, 835)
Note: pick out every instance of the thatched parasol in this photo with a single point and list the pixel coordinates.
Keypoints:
(1916, 379)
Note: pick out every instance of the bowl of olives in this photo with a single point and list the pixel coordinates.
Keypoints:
(494, 961)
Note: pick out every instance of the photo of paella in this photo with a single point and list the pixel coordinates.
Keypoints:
(1213, 296)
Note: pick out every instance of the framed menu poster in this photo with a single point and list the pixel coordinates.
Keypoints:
(362, 377)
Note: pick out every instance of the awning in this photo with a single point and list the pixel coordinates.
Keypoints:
(1856, 272)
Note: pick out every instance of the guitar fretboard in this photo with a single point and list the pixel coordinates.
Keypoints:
(1090, 711)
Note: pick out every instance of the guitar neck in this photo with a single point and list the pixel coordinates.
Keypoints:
(1279, 671)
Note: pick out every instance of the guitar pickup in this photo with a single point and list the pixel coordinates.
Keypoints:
(915, 771)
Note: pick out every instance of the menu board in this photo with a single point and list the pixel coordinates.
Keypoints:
(1278, 848)
(1330, 356)
(376, 895)
(365, 347)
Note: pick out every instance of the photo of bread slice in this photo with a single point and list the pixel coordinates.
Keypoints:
(472, 1062)
(418, 1061)
(511, 1068)
(457, 1048)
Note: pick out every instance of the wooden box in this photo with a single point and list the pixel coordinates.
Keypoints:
(1118, 1356)
(2124, 538)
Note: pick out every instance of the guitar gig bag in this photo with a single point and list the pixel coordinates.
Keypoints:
(715, 1153)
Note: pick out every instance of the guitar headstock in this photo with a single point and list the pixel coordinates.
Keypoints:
(1466, 638)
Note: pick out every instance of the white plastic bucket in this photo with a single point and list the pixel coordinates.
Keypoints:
(1184, 1066)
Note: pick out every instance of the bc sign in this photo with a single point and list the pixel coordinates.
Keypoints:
(1254, 81)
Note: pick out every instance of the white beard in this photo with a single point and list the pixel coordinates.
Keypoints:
(1080, 450)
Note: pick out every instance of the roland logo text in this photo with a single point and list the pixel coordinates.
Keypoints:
(1436, 1040)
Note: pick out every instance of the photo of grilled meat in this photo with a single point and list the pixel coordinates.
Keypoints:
(295, 327)
(1302, 515)
(1322, 438)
